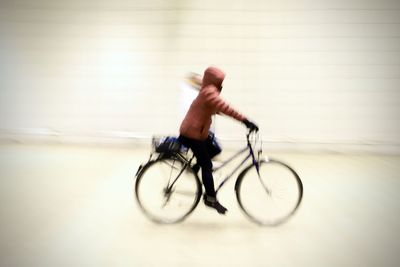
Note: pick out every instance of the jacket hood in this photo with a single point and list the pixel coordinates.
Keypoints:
(213, 76)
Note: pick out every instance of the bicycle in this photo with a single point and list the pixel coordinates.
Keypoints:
(168, 190)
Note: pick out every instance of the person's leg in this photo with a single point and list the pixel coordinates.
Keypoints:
(203, 160)
(212, 149)
(199, 149)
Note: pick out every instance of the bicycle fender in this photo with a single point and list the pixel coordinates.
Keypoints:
(138, 170)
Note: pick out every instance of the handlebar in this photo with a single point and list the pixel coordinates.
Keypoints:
(250, 131)
(254, 143)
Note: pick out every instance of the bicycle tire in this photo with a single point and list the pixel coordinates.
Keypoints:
(150, 170)
(256, 211)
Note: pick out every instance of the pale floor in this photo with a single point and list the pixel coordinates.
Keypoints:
(74, 206)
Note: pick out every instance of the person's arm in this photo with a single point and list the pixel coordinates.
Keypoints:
(214, 100)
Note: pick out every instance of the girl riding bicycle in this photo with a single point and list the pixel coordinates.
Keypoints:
(194, 130)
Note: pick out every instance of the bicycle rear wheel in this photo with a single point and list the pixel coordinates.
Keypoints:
(161, 201)
(271, 198)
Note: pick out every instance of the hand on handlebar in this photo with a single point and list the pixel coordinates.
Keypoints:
(250, 125)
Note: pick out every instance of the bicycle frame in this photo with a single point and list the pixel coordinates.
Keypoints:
(248, 148)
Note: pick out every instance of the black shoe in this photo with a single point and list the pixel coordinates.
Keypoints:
(212, 202)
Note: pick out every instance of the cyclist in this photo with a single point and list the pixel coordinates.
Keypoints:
(194, 130)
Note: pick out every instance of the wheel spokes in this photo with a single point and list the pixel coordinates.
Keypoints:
(166, 193)
(274, 197)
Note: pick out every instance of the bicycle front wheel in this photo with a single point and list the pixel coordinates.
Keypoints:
(165, 192)
(271, 196)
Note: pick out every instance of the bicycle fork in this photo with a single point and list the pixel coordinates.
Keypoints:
(256, 163)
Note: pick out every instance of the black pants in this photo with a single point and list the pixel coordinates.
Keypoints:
(204, 152)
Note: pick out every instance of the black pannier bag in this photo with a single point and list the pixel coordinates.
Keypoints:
(213, 146)
(167, 144)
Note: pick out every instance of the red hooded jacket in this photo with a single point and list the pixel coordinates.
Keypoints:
(197, 121)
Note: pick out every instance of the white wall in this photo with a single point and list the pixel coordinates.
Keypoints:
(309, 72)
